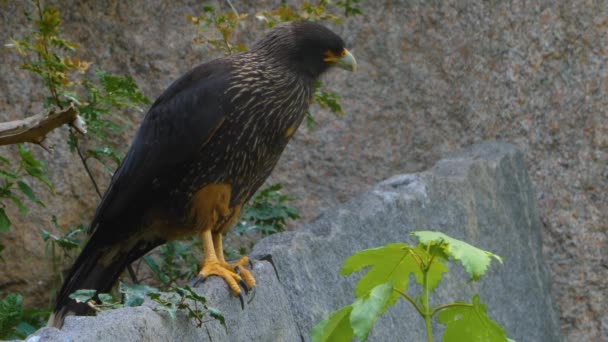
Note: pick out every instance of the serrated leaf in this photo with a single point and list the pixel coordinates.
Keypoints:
(5, 223)
(29, 193)
(336, 328)
(474, 260)
(470, 323)
(83, 295)
(392, 263)
(366, 310)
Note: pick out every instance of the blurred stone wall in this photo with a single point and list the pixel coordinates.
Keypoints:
(433, 76)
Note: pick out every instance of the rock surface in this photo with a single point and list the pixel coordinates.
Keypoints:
(433, 77)
(482, 195)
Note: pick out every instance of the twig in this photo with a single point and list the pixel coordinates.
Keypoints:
(34, 129)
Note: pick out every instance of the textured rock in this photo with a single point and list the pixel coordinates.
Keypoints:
(482, 195)
(433, 77)
(267, 317)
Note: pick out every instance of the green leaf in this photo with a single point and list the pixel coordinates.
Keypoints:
(105, 298)
(135, 294)
(217, 314)
(5, 223)
(29, 193)
(366, 310)
(435, 271)
(474, 260)
(470, 323)
(8, 175)
(22, 208)
(334, 329)
(83, 295)
(392, 263)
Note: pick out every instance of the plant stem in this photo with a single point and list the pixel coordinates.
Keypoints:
(84, 163)
(425, 304)
(411, 300)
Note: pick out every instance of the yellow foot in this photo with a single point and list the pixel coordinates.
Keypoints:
(239, 268)
(233, 274)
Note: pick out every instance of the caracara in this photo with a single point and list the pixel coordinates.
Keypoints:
(203, 149)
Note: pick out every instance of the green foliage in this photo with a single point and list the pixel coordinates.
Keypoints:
(17, 322)
(176, 260)
(387, 277)
(349, 7)
(60, 248)
(466, 322)
(187, 300)
(216, 29)
(368, 308)
(180, 299)
(475, 261)
(335, 328)
(14, 184)
(267, 212)
(307, 11)
(46, 54)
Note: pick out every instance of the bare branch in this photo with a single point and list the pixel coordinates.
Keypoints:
(35, 128)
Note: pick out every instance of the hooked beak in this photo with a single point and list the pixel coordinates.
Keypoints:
(344, 61)
(347, 62)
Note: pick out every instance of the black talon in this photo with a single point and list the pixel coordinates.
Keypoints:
(244, 286)
(197, 281)
(242, 301)
(253, 290)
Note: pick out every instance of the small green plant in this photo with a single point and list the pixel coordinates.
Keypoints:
(15, 181)
(59, 248)
(187, 300)
(182, 299)
(176, 260)
(387, 280)
(267, 212)
(17, 322)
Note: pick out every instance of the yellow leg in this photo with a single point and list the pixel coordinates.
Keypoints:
(240, 264)
(212, 266)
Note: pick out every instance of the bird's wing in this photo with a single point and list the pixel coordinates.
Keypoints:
(177, 125)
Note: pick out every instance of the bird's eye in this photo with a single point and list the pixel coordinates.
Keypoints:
(343, 53)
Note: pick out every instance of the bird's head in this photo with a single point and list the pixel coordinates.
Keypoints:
(307, 47)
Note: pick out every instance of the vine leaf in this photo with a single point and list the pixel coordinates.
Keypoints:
(392, 263)
(470, 323)
(474, 260)
(366, 310)
(335, 329)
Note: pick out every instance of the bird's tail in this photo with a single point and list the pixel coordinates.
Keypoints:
(98, 267)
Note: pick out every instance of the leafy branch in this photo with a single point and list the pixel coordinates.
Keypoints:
(387, 279)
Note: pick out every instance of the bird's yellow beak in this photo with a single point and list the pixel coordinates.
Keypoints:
(344, 61)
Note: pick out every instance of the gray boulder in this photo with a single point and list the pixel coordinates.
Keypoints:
(482, 195)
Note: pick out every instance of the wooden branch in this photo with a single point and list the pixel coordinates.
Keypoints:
(35, 128)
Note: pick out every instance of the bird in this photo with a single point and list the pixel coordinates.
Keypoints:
(204, 147)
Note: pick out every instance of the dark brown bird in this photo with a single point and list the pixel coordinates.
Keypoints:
(203, 149)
